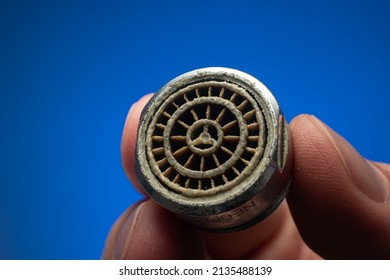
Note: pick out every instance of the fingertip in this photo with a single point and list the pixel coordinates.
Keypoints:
(325, 153)
(335, 196)
(129, 139)
(151, 232)
(314, 159)
(112, 238)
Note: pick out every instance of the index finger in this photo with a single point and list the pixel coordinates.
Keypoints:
(129, 139)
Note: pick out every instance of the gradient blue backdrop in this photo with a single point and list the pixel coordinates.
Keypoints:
(70, 70)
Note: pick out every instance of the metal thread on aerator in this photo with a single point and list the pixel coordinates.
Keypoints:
(214, 148)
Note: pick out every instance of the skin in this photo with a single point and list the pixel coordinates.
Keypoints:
(338, 208)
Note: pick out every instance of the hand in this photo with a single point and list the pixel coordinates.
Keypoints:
(338, 207)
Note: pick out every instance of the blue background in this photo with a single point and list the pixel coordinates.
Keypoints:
(70, 70)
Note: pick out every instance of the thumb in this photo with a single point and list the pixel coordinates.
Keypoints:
(339, 200)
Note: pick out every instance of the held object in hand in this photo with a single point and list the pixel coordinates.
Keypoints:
(213, 147)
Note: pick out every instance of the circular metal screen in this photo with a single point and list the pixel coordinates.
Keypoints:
(206, 138)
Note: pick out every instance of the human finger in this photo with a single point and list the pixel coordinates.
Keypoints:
(339, 200)
(147, 231)
(129, 139)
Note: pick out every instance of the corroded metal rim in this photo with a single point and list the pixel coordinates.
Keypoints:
(214, 147)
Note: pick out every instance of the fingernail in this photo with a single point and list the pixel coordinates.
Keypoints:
(124, 239)
(362, 174)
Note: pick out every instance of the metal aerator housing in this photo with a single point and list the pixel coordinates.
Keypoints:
(213, 146)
